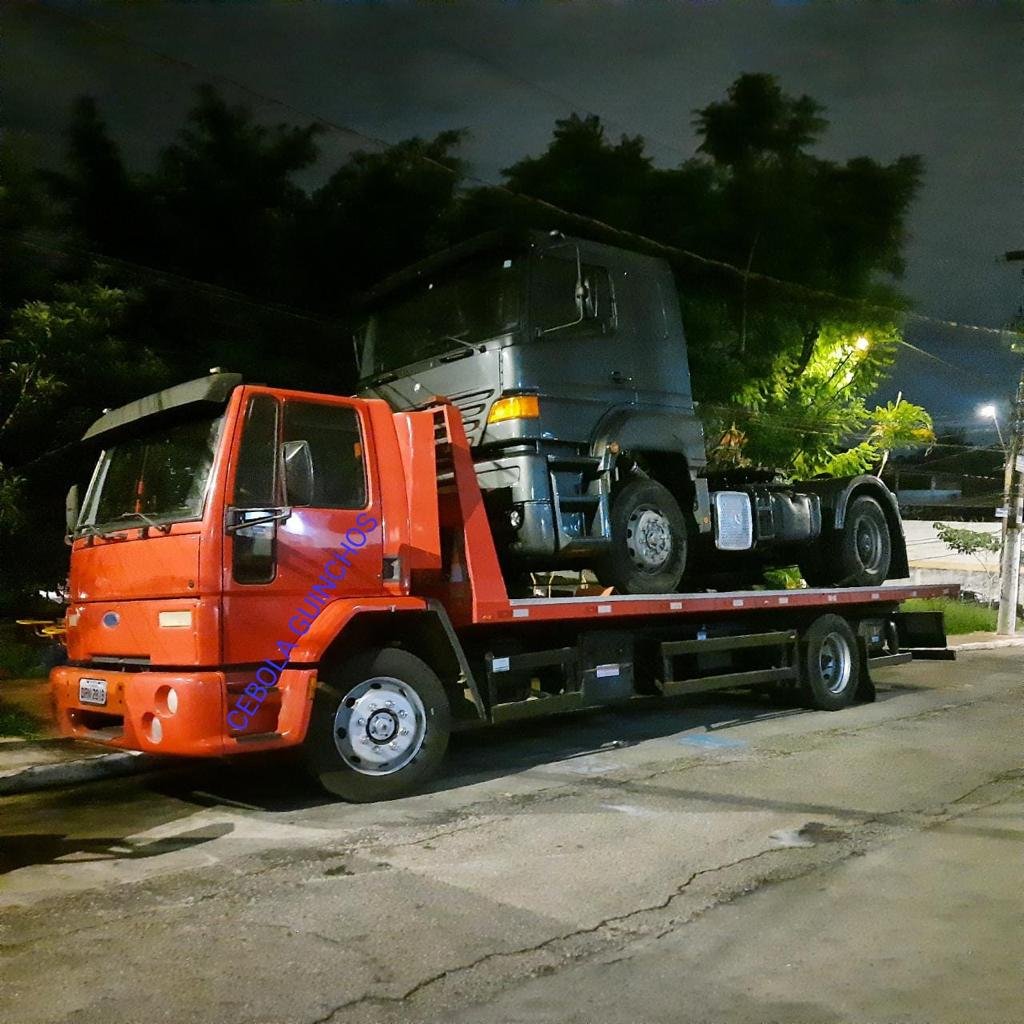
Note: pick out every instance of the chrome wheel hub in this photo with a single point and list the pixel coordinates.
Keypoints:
(834, 663)
(869, 543)
(648, 539)
(379, 726)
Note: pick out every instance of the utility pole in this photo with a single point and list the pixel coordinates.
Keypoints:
(1009, 566)
(1013, 504)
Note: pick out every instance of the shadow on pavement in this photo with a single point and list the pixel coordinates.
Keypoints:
(20, 851)
(276, 783)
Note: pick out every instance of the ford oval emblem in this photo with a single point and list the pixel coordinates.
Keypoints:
(111, 619)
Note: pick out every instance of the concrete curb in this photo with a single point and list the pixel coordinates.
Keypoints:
(989, 645)
(69, 773)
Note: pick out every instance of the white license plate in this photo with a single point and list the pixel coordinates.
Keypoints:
(92, 691)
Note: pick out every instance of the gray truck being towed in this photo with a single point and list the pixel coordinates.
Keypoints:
(567, 359)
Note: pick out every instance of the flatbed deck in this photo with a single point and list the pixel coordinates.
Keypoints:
(626, 605)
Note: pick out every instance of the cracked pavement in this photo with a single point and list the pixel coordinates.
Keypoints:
(722, 859)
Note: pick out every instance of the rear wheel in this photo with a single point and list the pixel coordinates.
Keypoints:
(862, 555)
(649, 543)
(830, 667)
(379, 727)
(866, 547)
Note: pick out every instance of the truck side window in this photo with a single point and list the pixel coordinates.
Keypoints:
(254, 548)
(256, 477)
(335, 449)
(554, 297)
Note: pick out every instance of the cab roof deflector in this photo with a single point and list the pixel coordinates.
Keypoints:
(212, 390)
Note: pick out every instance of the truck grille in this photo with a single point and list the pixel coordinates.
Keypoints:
(473, 405)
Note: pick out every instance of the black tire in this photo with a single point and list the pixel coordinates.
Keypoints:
(649, 542)
(345, 758)
(862, 554)
(829, 664)
(865, 550)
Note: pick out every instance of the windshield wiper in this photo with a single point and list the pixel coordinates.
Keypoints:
(458, 341)
(148, 520)
(451, 357)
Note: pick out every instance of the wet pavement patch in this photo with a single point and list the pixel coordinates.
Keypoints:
(710, 741)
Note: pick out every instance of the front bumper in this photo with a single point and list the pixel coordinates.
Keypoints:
(521, 481)
(183, 713)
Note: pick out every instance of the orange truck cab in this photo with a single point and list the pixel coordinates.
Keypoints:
(255, 568)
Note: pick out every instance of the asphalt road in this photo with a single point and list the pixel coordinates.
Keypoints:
(723, 860)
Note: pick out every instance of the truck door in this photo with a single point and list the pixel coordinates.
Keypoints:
(578, 360)
(301, 480)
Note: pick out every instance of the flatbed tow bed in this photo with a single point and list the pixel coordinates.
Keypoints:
(576, 652)
(627, 605)
(769, 621)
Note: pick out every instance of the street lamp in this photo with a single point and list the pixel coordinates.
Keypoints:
(989, 412)
(861, 345)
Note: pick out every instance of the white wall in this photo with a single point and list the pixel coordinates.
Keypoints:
(932, 562)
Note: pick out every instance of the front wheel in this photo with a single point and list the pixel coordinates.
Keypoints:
(379, 727)
(648, 550)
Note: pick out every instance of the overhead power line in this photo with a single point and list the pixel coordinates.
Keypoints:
(167, 276)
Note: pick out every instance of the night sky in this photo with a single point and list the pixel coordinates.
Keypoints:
(940, 79)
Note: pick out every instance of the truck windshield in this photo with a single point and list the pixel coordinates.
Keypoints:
(157, 477)
(458, 306)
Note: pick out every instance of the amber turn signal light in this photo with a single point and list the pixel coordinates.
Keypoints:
(515, 407)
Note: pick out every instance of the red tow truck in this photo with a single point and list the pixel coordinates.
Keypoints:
(255, 568)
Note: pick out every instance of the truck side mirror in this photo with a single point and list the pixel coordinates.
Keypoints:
(586, 303)
(581, 296)
(298, 472)
(71, 509)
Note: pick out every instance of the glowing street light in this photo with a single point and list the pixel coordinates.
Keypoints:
(860, 345)
(990, 412)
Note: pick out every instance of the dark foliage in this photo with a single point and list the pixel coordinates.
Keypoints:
(219, 255)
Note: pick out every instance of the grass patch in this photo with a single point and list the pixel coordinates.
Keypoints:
(15, 722)
(960, 616)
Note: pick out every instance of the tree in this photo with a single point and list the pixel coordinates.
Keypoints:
(785, 213)
(105, 206)
(25, 209)
(804, 421)
(61, 361)
(758, 122)
(754, 196)
(226, 200)
(976, 544)
(378, 213)
(584, 173)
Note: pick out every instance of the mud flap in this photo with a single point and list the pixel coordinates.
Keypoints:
(865, 687)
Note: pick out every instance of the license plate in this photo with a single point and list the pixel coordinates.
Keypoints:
(92, 691)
